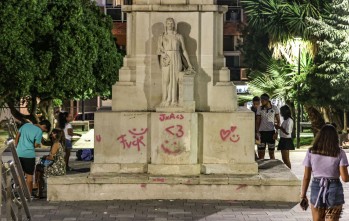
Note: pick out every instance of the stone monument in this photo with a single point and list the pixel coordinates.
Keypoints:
(175, 126)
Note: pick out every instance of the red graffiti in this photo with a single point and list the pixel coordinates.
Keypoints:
(98, 138)
(171, 116)
(241, 186)
(234, 138)
(169, 151)
(225, 134)
(179, 132)
(173, 145)
(136, 141)
(143, 185)
(161, 180)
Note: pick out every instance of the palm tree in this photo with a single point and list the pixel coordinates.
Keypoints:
(282, 21)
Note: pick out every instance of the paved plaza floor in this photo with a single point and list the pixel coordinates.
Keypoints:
(163, 210)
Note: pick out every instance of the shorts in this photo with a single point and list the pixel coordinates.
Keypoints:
(333, 197)
(28, 165)
(68, 144)
(267, 139)
(286, 144)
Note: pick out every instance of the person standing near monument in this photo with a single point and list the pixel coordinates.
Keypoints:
(256, 102)
(64, 124)
(28, 138)
(267, 117)
(286, 141)
(171, 50)
(326, 162)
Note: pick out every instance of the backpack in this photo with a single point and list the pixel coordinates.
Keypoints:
(85, 154)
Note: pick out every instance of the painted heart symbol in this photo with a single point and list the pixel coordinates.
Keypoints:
(225, 134)
(232, 129)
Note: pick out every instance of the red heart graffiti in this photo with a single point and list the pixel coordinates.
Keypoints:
(232, 129)
(225, 134)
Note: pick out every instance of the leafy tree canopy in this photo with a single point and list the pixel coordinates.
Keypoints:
(332, 33)
(55, 49)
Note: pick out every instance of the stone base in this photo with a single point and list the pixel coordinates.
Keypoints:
(271, 184)
(186, 107)
(251, 168)
(179, 170)
(97, 168)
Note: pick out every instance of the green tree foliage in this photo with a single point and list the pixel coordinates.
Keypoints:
(274, 24)
(332, 33)
(281, 21)
(55, 49)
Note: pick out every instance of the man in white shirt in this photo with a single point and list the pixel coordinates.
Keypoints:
(267, 117)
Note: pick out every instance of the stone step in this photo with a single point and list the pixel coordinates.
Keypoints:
(270, 184)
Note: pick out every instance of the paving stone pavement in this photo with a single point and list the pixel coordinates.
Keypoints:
(166, 210)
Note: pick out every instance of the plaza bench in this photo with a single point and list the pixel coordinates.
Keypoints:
(84, 124)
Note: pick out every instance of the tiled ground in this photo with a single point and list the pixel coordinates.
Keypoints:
(163, 210)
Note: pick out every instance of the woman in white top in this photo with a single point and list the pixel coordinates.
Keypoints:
(286, 141)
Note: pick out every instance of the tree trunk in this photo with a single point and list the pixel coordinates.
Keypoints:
(345, 125)
(325, 113)
(50, 113)
(315, 118)
(46, 108)
(336, 117)
(23, 118)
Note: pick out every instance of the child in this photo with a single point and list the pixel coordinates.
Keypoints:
(326, 162)
(286, 141)
(64, 120)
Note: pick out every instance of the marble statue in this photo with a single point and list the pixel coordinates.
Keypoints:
(173, 59)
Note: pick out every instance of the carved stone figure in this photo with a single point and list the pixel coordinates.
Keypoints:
(173, 59)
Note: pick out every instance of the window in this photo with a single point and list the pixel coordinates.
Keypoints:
(234, 14)
(232, 42)
(232, 61)
(228, 43)
(229, 2)
(116, 14)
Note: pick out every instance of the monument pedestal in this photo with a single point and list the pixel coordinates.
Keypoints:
(228, 143)
(174, 139)
(196, 145)
(122, 142)
(270, 184)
